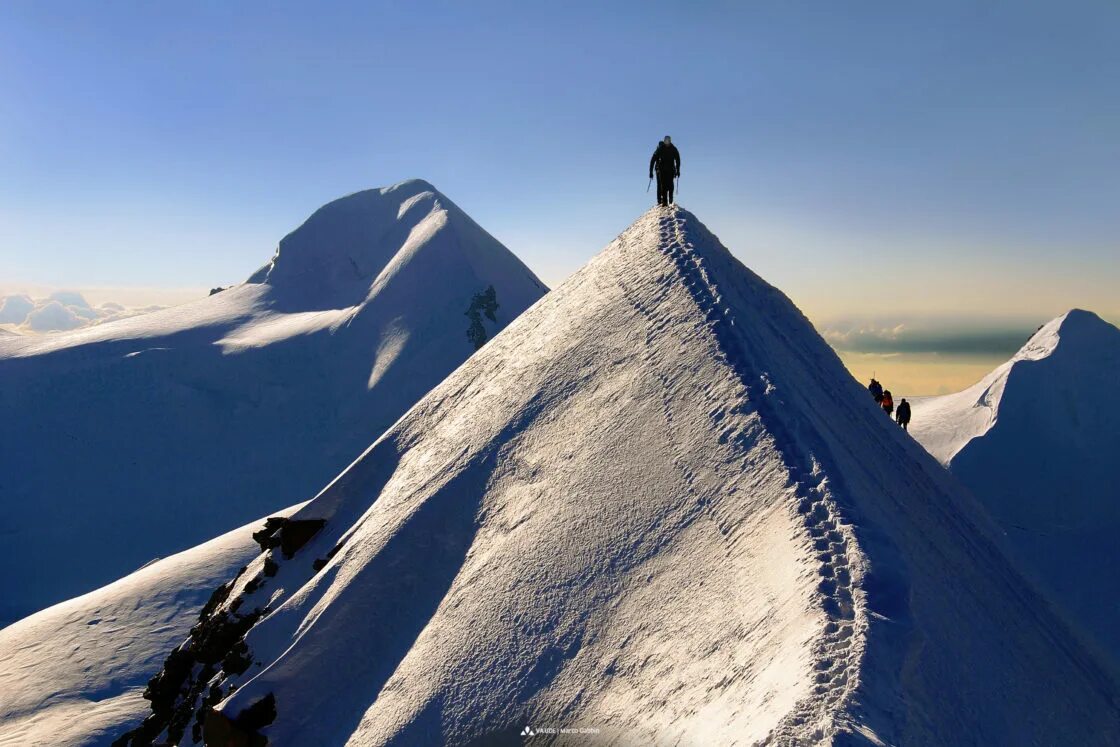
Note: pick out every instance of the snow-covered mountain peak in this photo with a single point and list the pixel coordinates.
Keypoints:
(1077, 332)
(213, 406)
(656, 506)
(1055, 364)
(334, 258)
(1036, 440)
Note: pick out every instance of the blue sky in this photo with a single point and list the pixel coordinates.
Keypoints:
(873, 159)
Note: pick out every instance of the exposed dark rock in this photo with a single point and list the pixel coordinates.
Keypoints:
(163, 691)
(259, 715)
(220, 595)
(266, 536)
(216, 599)
(321, 563)
(486, 303)
(213, 697)
(254, 584)
(181, 717)
(237, 660)
(174, 691)
(214, 291)
(165, 686)
(242, 731)
(295, 533)
(189, 686)
(215, 640)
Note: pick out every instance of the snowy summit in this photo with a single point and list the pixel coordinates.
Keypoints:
(645, 510)
(1036, 440)
(144, 436)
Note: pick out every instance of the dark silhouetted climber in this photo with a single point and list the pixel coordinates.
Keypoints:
(876, 390)
(902, 417)
(887, 403)
(666, 160)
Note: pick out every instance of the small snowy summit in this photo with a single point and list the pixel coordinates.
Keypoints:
(644, 514)
(140, 437)
(1036, 440)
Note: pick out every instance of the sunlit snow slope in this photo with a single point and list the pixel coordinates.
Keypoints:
(137, 438)
(656, 506)
(1037, 441)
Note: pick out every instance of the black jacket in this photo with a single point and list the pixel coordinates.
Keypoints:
(903, 413)
(666, 159)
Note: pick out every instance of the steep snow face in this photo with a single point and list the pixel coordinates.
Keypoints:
(73, 674)
(655, 508)
(137, 438)
(1037, 441)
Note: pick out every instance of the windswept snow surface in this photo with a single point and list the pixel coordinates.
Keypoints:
(73, 674)
(137, 438)
(1037, 442)
(658, 509)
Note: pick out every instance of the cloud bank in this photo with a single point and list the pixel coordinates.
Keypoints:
(59, 312)
(937, 336)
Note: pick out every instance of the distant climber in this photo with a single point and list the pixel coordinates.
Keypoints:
(888, 402)
(666, 161)
(902, 417)
(876, 390)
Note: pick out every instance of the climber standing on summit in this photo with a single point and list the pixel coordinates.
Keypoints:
(666, 160)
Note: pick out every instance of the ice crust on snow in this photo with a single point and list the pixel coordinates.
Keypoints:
(1036, 440)
(140, 437)
(656, 505)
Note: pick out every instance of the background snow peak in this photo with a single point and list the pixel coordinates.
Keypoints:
(1036, 441)
(140, 437)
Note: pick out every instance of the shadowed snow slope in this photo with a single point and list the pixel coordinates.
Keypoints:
(658, 506)
(1037, 442)
(137, 438)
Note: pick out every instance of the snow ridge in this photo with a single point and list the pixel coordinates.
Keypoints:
(655, 503)
(733, 423)
(837, 653)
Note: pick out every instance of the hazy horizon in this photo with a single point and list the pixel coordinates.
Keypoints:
(915, 356)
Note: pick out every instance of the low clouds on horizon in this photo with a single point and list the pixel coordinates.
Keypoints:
(949, 337)
(66, 310)
(59, 312)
